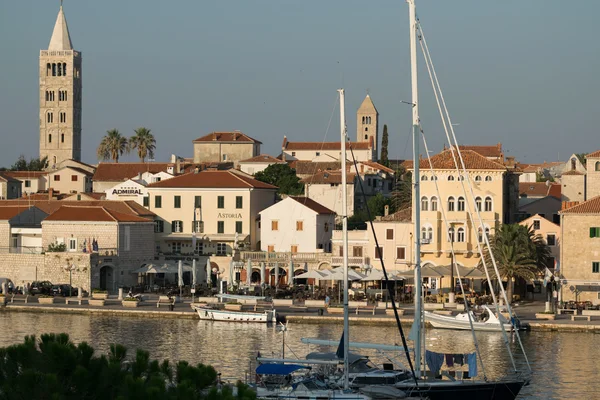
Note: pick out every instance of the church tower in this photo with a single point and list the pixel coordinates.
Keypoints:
(60, 97)
(367, 124)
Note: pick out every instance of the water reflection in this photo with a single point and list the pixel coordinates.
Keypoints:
(565, 364)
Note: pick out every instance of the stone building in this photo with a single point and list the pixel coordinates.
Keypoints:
(593, 174)
(259, 163)
(10, 188)
(60, 77)
(225, 147)
(326, 189)
(367, 124)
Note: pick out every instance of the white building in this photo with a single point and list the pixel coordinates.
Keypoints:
(259, 163)
(326, 188)
(326, 151)
(129, 190)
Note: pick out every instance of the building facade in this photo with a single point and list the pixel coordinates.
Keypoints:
(593, 174)
(60, 77)
(550, 232)
(70, 180)
(225, 147)
(367, 124)
(326, 189)
(259, 163)
(325, 151)
(10, 188)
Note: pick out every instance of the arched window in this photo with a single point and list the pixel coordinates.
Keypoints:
(53, 160)
(488, 204)
(430, 233)
(62, 137)
(461, 178)
(366, 129)
(366, 137)
(424, 203)
(423, 177)
(48, 69)
(363, 119)
(478, 203)
(597, 166)
(461, 204)
(64, 69)
(424, 233)
(434, 178)
(434, 203)
(461, 235)
(573, 164)
(478, 178)
(50, 138)
(488, 178)
(53, 69)
(451, 235)
(369, 120)
(450, 203)
(450, 177)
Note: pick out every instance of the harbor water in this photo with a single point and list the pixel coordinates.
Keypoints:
(565, 364)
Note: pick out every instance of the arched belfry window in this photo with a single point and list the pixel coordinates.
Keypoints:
(573, 164)
(364, 119)
(597, 166)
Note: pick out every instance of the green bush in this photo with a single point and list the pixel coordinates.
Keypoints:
(99, 291)
(57, 247)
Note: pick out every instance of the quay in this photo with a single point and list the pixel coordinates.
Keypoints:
(148, 309)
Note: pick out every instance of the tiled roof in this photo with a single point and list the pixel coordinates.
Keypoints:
(118, 172)
(227, 137)
(376, 165)
(7, 178)
(85, 196)
(486, 151)
(539, 189)
(92, 213)
(49, 206)
(313, 205)
(76, 169)
(573, 172)
(8, 212)
(595, 154)
(24, 174)
(591, 206)
(328, 177)
(444, 160)
(404, 215)
(310, 168)
(212, 179)
(262, 159)
(319, 146)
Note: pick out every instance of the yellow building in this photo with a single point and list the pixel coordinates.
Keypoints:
(225, 147)
(550, 232)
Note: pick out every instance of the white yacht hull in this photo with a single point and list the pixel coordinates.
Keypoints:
(461, 322)
(213, 314)
(263, 393)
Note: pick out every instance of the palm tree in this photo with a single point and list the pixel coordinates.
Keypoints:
(112, 146)
(144, 142)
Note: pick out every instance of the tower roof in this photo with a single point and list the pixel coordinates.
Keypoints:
(61, 40)
(367, 106)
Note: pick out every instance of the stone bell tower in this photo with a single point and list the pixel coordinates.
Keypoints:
(60, 97)
(367, 124)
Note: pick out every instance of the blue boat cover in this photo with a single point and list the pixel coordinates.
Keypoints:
(278, 369)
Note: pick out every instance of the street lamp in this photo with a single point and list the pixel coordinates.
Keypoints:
(70, 268)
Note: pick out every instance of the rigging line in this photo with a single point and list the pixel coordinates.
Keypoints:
(453, 255)
(461, 176)
(389, 287)
(493, 259)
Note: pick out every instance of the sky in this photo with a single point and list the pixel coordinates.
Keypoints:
(523, 73)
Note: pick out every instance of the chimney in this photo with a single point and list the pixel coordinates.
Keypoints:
(50, 194)
(214, 136)
(173, 158)
(510, 162)
(177, 166)
(235, 135)
(386, 210)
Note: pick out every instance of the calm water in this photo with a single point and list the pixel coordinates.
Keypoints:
(566, 365)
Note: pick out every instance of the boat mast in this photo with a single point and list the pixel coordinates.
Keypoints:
(344, 235)
(416, 180)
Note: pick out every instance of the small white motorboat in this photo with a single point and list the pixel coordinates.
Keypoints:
(214, 313)
(487, 321)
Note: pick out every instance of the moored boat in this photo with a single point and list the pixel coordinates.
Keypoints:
(487, 321)
(214, 313)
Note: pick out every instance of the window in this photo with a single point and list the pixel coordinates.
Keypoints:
(595, 267)
(220, 226)
(488, 178)
(487, 233)
(271, 248)
(177, 201)
(294, 248)
(293, 154)
(478, 203)
(341, 251)
(177, 226)
(488, 204)
(239, 202)
(537, 224)
(424, 177)
(451, 235)
(56, 178)
(127, 239)
(238, 226)
(197, 201)
(450, 203)
(62, 117)
(461, 178)
(434, 203)
(450, 177)
(72, 244)
(157, 201)
(594, 232)
(159, 226)
(357, 251)
(573, 164)
(424, 203)
(50, 117)
(556, 219)
(199, 248)
(221, 202)
(461, 204)
(597, 166)
(221, 249)
(400, 253)
(73, 178)
(317, 154)
(224, 157)
(379, 252)
(326, 227)
(146, 201)
(480, 235)
(27, 183)
(198, 227)
(177, 247)
(478, 178)
(274, 225)
(299, 225)
(62, 95)
(62, 137)
(551, 239)
(389, 234)
(50, 138)
(461, 235)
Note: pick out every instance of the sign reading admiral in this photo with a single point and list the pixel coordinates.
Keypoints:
(230, 215)
(127, 192)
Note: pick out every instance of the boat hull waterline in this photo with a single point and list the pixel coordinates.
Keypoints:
(213, 314)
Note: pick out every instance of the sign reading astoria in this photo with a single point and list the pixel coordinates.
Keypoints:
(230, 215)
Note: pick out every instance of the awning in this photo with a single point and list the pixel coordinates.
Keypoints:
(279, 369)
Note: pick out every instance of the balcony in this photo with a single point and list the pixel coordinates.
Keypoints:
(263, 256)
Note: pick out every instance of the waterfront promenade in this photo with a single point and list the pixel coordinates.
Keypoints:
(148, 309)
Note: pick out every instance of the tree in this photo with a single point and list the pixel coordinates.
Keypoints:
(144, 142)
(282, 176)
(519, 253)
(55, 368)
(582, 158)
(376, 205)
(384, 147)
(402, 193)
(112, 146)
(34, 164)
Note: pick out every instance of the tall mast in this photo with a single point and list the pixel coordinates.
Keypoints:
(344, 235)
(416, 180)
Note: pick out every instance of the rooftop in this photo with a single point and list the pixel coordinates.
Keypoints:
(8, 212)
(595, 154)
(263, 158)
(60, 40)
(486, 151)
(212, 179)
(572, 172)
(539, 189)
(24, 174)
(235, 136)
(591, 206)
(444, 160)
(313, 205)
(327, 177)
(118, 172)
(320, 146)
(49, 206)
(404, 215)
(92, 213)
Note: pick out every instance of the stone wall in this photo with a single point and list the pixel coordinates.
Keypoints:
(593, 178)
(573, 187)
(4, 236)
(104, 232)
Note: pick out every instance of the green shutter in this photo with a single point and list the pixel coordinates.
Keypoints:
(177, 201)
(592, 232)
(198, 201)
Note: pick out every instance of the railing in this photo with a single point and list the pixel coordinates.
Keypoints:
(352, 261)
(22, 250)
(59, 53)
(263, 256)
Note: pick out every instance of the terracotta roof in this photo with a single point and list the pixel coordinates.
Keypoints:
(444, 160)
(262, 159)
(8, 212)
(539, 189)
(313, 205)
(310, 168)
(85, 196)
(486, 151)
(595, 154)
(7, 178)
(212, 179)
(49, 206)
(290, 146)
(24, 174)
(591, 206)
(404, 215)
(326, 177)
(573, 172)
(92, 213)
(376, 165)
(76, 169)
(118, 172)
(227, 137)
